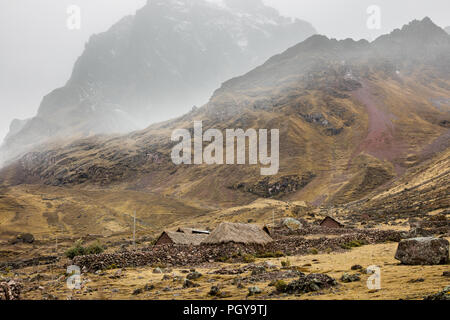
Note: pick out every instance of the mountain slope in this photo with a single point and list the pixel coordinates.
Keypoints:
(354, 120)
(155, 65)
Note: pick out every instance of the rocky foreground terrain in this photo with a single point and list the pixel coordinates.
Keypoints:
(305, 262)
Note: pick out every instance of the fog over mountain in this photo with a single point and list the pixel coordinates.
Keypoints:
(39, 52)
(133, 74)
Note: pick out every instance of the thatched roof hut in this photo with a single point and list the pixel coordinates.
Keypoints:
(171, 237)
(238, 233)
(192, 231)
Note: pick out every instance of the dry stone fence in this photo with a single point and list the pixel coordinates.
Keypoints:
(190, 255)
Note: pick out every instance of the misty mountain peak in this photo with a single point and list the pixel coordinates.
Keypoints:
(417, 32)
(423, 29)
(418, 40)
(157, 64)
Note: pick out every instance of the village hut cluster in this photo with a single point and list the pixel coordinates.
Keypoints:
(227, 232)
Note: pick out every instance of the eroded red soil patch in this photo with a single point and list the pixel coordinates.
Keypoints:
(380, 141)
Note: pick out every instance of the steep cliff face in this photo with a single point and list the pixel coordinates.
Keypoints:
(156, 65)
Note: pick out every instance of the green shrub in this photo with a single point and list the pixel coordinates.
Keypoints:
(270, 254)
(248, 258)
(280, 285)
(76, 250)
(159, 265)
(95, 248)
(313, 251)
(353, 244)
(223, 259)
(286, 263)
(79, 250)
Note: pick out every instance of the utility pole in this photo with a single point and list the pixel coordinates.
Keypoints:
(273, 218)
(134, 230)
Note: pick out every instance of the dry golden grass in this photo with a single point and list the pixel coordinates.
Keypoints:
(395, 280)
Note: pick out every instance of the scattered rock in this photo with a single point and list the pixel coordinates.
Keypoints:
(23, 238)
(10, 290)
(446, 274)
(214, 291)
(257, 270)
(254, 291)
(423, 251)
(356, 267)
(442, 295)
(117, 274)
(419, 232)
(49, 296)
(193, 275)
(138, 291)
(310, 283)
(350, 277)
(292, 224)
(157, 270)
(149, 287)
(190, 284)
(416, 280)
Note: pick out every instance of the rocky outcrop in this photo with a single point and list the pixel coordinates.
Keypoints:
(292, 224)
(133, 74)
(423, 251)
(282, 186)
(310, 283)
(23, 238)
(443, 295)
(10, 290)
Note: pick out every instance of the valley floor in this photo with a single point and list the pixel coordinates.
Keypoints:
(397, 281)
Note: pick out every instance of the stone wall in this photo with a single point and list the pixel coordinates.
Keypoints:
(179, 255)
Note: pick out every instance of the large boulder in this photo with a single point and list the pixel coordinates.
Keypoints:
(23, 238)
(292, 224)
(10, 290)
(423, 251)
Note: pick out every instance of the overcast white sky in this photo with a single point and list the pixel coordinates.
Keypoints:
(37, 51)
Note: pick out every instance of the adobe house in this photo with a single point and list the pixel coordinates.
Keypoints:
(171, 237)
(238, 233)
(329, 222)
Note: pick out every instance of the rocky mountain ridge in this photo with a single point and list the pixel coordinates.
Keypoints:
(156, 65)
